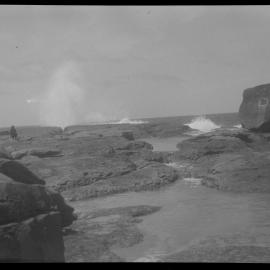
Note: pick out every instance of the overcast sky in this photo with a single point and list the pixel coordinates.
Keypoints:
(133, 61)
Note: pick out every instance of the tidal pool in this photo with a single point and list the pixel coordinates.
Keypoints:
(191, 213)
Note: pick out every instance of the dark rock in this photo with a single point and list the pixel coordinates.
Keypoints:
(18, 172)
(254, 111)
(37, 239)
(65, 210)
(128, 135)
(20, 201)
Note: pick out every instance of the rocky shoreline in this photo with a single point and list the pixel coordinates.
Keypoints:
(48, 167)
(78, 168)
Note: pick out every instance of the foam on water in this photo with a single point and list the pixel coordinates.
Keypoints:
(117, 122)
(202, 125)
(129, 121)
(237, 126)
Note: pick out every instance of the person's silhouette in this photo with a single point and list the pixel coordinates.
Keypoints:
(13, 133)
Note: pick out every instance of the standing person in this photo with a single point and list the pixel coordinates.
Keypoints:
(13, 133)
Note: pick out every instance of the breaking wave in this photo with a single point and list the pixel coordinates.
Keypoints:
(117, 122)
(202, 124)
(237, 126)
(129, 121)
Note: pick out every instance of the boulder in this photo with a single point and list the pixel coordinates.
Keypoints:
(254, 111)
(31, 222)
(21, 201)
(37, 239)
(19, 173)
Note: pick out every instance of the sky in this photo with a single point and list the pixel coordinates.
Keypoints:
(129, 61)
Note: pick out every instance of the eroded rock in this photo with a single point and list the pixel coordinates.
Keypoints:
(254, 111)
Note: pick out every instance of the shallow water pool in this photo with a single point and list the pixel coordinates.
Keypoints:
(190, 213)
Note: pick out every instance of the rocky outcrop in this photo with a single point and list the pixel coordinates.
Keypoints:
(219, 142)
(231, 160)
(254, 111)
(240, 172)
(150, 177)
(32, 217)
(87, 161)
(37, 239)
